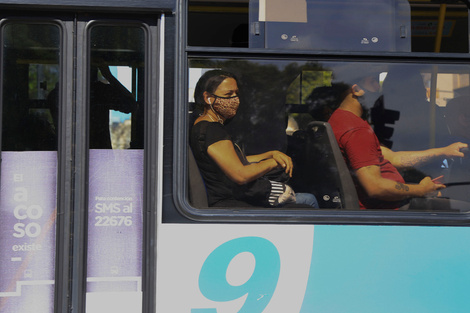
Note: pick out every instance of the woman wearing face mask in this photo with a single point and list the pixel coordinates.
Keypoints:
(227, 172)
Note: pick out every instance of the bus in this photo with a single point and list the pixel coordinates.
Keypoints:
(103, 207)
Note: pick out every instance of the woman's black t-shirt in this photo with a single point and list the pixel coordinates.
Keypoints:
(219, 187)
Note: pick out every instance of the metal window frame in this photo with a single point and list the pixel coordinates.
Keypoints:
(179, 210)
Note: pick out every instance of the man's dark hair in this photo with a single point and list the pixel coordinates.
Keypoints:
(324, 100)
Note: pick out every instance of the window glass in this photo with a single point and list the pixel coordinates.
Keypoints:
(116, 98)
(283, 104)
(335, 25)
(30, 72)
(230, 18)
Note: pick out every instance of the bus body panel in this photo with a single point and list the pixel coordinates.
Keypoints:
(350, 268)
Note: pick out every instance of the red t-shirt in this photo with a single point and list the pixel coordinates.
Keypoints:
(360, 147)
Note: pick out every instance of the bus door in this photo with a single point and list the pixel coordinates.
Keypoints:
(75, 99)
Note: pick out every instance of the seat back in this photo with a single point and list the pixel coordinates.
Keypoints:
(322, 169)
(197, 189)
(348, 191)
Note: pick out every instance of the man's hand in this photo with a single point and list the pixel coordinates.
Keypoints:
(454, 150)
(430, 188)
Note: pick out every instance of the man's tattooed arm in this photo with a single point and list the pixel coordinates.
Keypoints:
(401, 186)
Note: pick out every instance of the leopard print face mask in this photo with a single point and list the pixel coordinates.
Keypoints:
(226, 107)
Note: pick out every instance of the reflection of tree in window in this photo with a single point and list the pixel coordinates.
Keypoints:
(268, 92)
(299, 95)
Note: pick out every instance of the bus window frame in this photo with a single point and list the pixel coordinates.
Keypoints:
(109, 6)
(152, 76)
(238, 215)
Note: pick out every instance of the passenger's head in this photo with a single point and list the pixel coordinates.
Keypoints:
(324, 100)
(364, 83)
(370, 83)
(458, 116)
(217, 90)
(404, 85)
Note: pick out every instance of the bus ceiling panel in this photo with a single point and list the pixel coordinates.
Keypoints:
(137, 6)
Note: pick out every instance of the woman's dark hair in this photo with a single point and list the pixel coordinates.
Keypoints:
(209, 82)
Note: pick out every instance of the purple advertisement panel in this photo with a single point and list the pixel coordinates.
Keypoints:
(115, 221)
(27, 232)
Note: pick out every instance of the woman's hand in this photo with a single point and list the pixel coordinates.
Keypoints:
(284, 161)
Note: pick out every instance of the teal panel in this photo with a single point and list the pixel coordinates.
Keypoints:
(389, 269)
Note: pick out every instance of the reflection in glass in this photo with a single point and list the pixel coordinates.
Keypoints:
(408, 106)
(457, 115)
(115, 75)
(340, 25)
(30, 72)
(334, 25)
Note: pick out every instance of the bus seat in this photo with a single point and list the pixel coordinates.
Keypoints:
(322, 169)
(197, 188)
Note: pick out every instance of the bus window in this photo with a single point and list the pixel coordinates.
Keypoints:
(272, 95)
(113, 91)
(116, 123)
(336, 25)
(231, 19)
(284, 106)
(30, 71)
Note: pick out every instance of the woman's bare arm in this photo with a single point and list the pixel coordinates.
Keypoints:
(224, 154)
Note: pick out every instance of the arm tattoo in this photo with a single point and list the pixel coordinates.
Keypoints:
(401, 186)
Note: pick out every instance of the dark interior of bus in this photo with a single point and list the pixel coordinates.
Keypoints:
(31, 71)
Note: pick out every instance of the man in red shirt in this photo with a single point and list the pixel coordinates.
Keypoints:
(378, 182)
